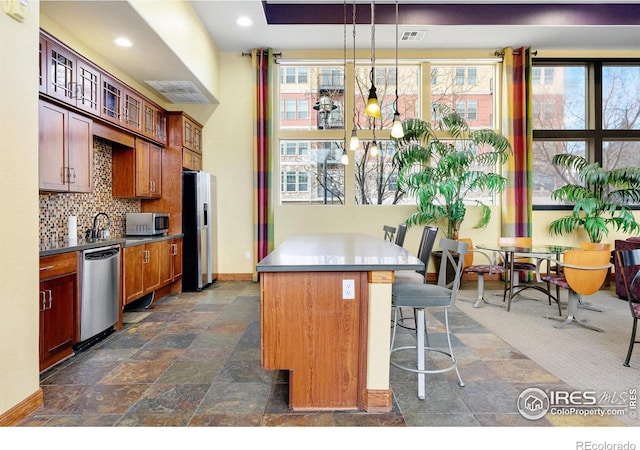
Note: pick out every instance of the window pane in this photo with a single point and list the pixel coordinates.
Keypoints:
(620, 154)
(319, 96)
(547, 177)
(375, 176)
(560, 102)
(315, 174)
(408, 93)
(452, 90)
(621, 97)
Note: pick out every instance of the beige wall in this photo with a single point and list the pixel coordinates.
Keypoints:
(19, 367)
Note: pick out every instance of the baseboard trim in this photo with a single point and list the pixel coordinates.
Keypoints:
(23, 410)
(377, 400)
(235, 277)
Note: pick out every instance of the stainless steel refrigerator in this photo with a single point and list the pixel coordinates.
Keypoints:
(198, 226)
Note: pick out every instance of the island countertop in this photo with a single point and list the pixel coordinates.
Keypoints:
(338, 252)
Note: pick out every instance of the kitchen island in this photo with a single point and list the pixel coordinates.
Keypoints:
(325, 311)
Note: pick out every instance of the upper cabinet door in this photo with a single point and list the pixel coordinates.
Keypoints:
(133, 111)
(87, 90)
(42, 80)
(112, 99)
(60, 73)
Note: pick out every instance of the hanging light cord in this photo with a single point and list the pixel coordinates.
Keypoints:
(353, 16)
(373, 41)
(395, 103)
(344, 77)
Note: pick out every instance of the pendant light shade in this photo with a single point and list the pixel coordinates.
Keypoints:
(354, 142)
(374, 149)
(373, 107)
(396, 129)
(345, 158)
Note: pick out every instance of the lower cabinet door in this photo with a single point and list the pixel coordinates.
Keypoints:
(58, 320)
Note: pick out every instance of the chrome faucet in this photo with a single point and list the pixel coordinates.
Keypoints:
(102, 233)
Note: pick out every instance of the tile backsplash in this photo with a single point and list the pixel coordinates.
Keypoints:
(55, 208)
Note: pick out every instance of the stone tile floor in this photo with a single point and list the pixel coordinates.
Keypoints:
(193, 360)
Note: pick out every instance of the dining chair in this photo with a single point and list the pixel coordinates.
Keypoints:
(491, 266)
(584, 272)
(389, 232)
(555, 272)
(401, 233)
(626, 259)
(420, 297)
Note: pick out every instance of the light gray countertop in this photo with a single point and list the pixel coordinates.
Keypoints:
(338, 252)
(51, 247)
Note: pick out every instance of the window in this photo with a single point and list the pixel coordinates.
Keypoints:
(313, 117)
(589, 107)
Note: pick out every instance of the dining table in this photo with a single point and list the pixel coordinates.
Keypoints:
(509, 254)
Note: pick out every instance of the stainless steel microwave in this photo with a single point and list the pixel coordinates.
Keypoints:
(146, 224)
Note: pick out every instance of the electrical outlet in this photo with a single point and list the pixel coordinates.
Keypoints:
(348, 289)
(247, 255)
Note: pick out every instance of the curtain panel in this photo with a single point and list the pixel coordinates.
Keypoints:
(516, 126)
(262, 63)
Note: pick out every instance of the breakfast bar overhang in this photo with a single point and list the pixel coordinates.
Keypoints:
(325, 312)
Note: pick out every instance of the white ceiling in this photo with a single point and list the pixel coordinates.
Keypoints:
(97, 22)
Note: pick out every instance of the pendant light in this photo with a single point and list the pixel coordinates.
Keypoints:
(373, 107)
(396, 129)
(345, 158)
(354, 143)
(373, 149)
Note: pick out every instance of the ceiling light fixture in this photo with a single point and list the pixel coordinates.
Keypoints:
(244, 21)
(122, 42)
(396, 129)
(373, 107)
(345, 158)
(354, 143)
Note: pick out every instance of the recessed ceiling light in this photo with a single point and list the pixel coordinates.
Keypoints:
(122, 42)
(244, 21)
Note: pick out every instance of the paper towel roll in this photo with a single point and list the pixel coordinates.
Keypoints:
(72, 226)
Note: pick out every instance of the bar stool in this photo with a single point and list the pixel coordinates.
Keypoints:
(423, 296)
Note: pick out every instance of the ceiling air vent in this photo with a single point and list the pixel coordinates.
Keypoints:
(179, 91)
(412, 35)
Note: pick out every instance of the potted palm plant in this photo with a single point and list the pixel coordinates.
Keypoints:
(600, 200)
(441, 164)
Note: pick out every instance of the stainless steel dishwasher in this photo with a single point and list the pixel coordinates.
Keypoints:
(99, 301)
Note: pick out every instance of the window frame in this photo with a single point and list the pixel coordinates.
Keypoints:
(594, 134)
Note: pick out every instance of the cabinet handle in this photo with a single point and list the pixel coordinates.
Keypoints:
(50, 299)
(72, 170)
(43, 299)
(63, 172)
(45, 268)
(147, 255)
(174, 249)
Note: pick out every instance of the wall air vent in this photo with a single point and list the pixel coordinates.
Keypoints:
(412, 35)
(179, 91)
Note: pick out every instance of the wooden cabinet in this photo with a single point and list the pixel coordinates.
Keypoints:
(67, 77)
(142, 274)
(154, 122)
(65, 150)
(171, 261)
(58, 305)
(191, 160)
(137, 172)
(186, 134)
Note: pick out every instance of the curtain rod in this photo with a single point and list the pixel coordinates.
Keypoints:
(500, 54)
(275, 54)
